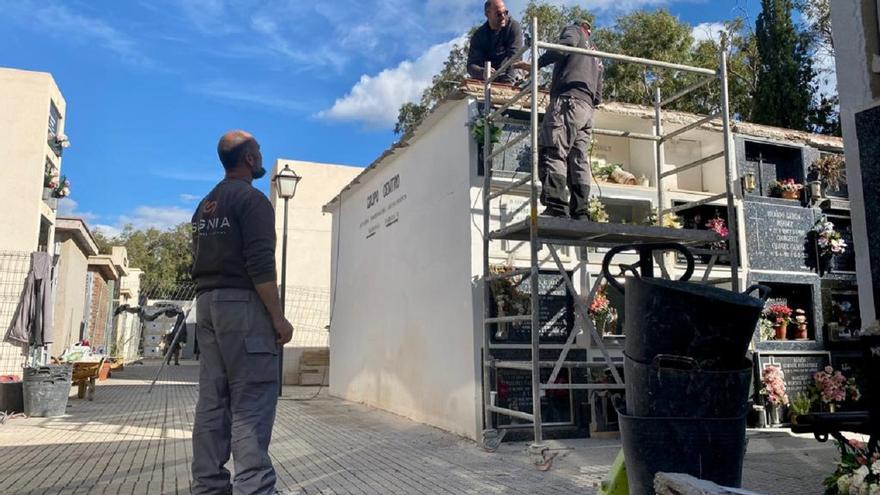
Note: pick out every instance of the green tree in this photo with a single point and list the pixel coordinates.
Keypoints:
(743, 62)
(445, 82)
(783, 96)
(654, 35)
(165, 256)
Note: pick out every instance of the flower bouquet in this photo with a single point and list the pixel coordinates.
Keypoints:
(833, 388)
(773, 380)
(780, 316)
(829, 240)
(601, 311)
(858, 472)
(62, 190)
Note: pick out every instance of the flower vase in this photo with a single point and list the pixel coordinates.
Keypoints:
(816, 189)
(791, 194)
(781, 328)
(832, 408)
(773, 412)
(801, 332)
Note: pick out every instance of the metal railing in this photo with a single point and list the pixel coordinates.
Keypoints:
(538, 238)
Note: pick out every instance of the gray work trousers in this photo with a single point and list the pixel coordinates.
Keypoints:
(563, 141)
(238, 391)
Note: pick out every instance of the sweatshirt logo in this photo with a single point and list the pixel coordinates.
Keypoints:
(211, 225)
(210, 207)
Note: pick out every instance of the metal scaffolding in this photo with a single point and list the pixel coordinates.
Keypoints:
(550, 232)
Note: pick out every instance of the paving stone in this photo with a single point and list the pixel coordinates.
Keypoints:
(129, 441)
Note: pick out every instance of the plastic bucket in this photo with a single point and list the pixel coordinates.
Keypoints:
(46, 389)
(707, 448)
(674, 387)
(712, 325)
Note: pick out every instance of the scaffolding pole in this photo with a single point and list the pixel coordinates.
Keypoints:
(547, 232)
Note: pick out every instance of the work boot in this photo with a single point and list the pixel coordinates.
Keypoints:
(553, 195)
(578, 202)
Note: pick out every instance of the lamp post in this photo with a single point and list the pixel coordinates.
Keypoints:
(285, 185)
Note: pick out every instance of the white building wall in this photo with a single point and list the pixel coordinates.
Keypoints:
(402, 336)
(24, 115)
(308, 254)
(855, 26)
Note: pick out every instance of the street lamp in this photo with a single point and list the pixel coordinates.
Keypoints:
(285, 185)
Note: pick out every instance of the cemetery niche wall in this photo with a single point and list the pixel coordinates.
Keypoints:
(787, 202)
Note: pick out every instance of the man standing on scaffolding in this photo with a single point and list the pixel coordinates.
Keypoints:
(495, 41)
(564, 137)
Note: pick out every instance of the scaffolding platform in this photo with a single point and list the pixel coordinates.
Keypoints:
(564, 231)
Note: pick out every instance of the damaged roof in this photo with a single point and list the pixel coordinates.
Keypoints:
(474, 89)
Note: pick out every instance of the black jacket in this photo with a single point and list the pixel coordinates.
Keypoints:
(233, 233)
(579, 76)
(487, 45)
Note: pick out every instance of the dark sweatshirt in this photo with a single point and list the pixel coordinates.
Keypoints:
(578, 76)
(233, 238)
(496, 47)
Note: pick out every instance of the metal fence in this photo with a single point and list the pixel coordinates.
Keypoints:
(307, 308)
(14, 267)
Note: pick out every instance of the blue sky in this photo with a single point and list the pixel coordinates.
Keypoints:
(150, 85)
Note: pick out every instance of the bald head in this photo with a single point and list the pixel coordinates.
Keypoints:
(233, 147)
(496, 14)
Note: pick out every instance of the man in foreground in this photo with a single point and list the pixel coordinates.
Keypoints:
(240, 326)
(495, 41)
(564, 137)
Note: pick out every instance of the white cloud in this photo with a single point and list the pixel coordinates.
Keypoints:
(57, 20)
(375, 100)
(147, 217)
(190, 198)
(708, 31)
(263, 97)
(68, 208)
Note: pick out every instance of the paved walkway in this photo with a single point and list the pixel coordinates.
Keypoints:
(130, 442)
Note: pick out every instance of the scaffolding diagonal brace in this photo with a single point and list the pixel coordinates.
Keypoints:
(585, 314)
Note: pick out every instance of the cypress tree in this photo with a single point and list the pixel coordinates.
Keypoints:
(782, 96)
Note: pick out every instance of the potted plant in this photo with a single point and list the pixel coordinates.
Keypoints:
(773, 380)
(786, 189)
(780, 316)
(800, 319)
(828, 170)
(858, 471)
(800, 405)
(478, 131)
(832, 388)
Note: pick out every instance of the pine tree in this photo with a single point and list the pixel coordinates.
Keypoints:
(782, 97)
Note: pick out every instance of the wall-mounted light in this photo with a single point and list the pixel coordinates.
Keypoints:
(749, 182)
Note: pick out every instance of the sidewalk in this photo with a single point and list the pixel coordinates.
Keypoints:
(131, 442)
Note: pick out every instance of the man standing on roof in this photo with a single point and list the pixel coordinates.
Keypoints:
(564, 137)
(240, 326)
(495, 41)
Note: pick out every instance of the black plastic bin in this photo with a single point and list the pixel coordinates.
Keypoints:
(11, 397)
(46, 389)
(674, 387)
(707, 448)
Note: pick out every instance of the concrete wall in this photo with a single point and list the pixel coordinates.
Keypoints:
(402, 336)
(70, 296)
(308, 254)
(25, 99)
(856, 45)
